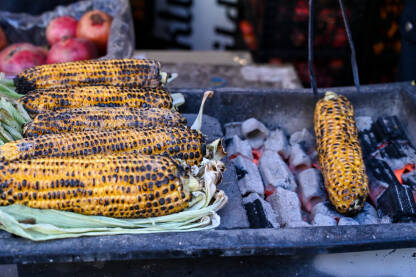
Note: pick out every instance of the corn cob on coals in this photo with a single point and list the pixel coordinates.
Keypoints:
(54, 99)
(178, 142)
(120, 185)
(121, 72)
(340, 154)
(97, 118)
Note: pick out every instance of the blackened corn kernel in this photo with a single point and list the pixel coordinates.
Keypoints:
(88, 193)
(340, 154)
(54, 99)
(103, 142)
(123, 72)
(99, 118)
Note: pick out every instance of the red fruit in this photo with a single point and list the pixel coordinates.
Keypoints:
(95, 26)
(70, 50)
(60, 28)
(19, 56)
(3, 39)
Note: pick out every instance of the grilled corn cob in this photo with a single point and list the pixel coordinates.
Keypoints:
(97, 118)
(54, 99)
(119, 185)
(178, 142)
(340, 154)
(121, 72)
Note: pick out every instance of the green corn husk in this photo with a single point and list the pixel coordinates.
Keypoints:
(40, 225)
(4, 104)
(4, 135)
(6, 118)
(12, 131)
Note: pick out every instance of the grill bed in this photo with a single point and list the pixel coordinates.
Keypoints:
(290, 109)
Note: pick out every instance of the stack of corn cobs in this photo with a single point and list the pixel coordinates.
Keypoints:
(102, 139)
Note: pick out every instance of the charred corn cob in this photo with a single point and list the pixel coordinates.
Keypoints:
(120, 185)
(121, 72)
(54, 99)
(340, 154)
(178, 142)
(97, 118)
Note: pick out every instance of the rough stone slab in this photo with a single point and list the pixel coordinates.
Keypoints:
(304, 138)
(368, 215)
(248, 175)
(347, 221)
(323, 220)
(211, 127)
(237, 146)
(233, 214)
(298, 159)
(275, 171)
(311, 190)
(287, 206)
(277, 141)
(260, 213)
(255, 132)
(363, 123)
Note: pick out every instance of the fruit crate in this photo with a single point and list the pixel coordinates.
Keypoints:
(22, 27)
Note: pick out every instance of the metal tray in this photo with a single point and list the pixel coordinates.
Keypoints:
(291, 109)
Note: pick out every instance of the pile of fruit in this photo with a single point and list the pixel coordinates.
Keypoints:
(69, 40)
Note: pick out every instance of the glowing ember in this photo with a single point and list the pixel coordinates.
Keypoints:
(256, 155)
(316, 165)
(399, 172)
(269, 190)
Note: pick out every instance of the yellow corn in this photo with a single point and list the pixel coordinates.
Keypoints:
(121, 185)
(117, 72)
(340, 154)
(54, 99)
(98, 118)
(177, 142)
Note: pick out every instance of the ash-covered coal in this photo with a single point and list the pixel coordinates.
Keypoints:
(282, 170)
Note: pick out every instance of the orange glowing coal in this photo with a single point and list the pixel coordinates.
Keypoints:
(256, 155)
(406, 169)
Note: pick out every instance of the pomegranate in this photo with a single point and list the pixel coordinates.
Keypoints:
(95, 26)
(19, 56)
(71, 49)
(3, 39)
(60, 28)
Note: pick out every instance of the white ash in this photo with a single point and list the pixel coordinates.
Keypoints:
(269, 213)
(297, 224)
(237, 146)
(275, 171)
(325, 208)
(311, 188)
(298, 159)
(249, 179)
(323, 220)
(304, 137)
(363, 123)
(386, 220)
(347, 221)
(287, 206)
(368, 215)
(232, 129)
(255, 132)
(277, 141)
